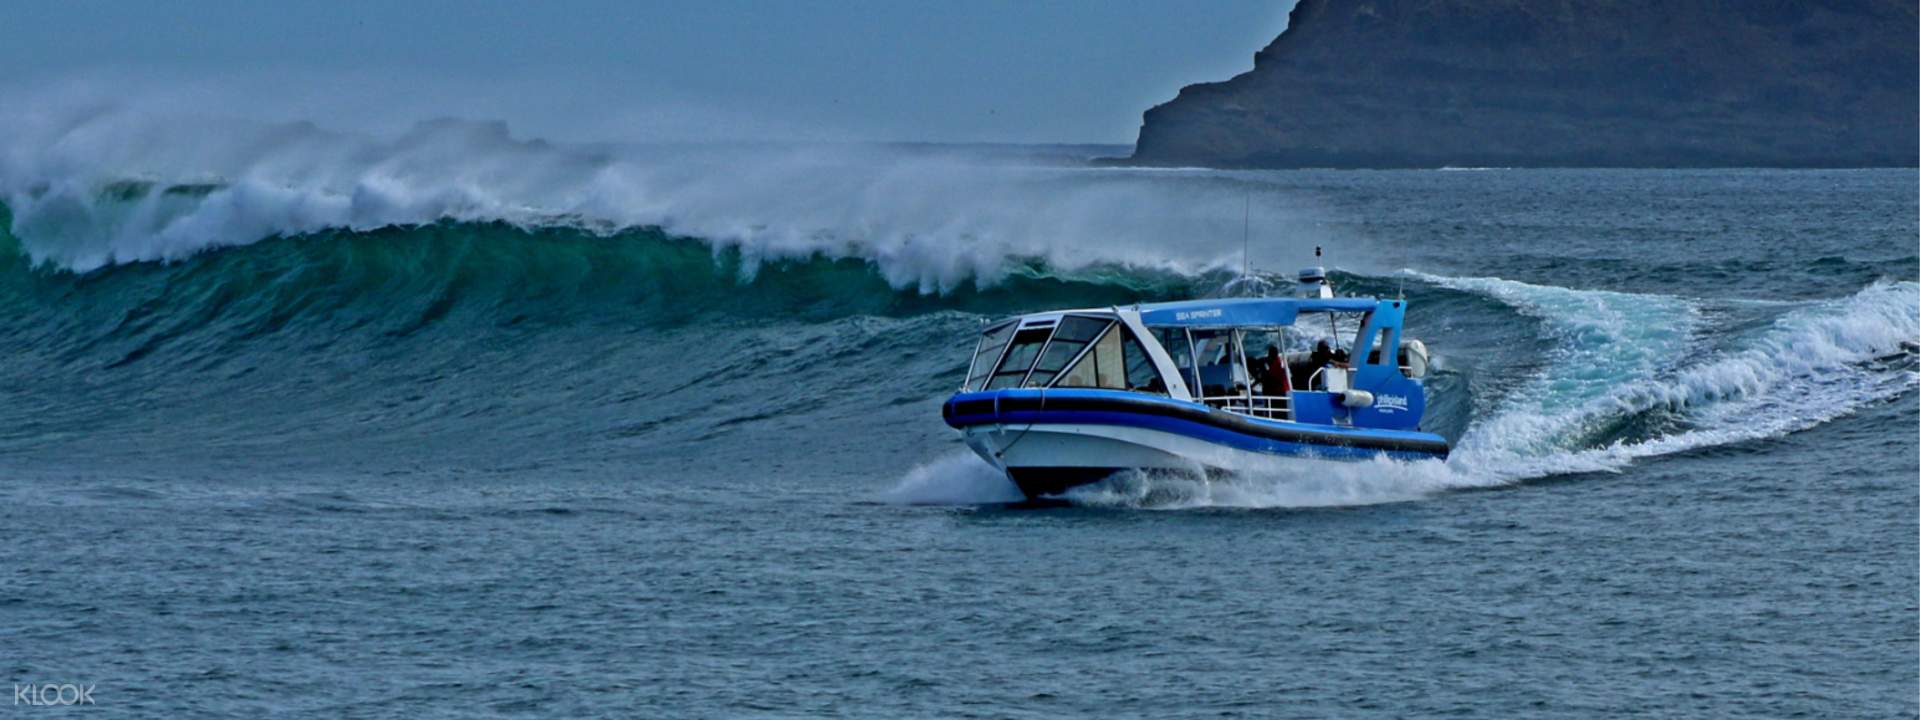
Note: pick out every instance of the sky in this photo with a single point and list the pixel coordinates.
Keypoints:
(853, 70)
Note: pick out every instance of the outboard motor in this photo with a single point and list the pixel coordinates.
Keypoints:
(1314, 284)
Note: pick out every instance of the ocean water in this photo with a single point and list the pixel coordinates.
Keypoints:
(454, 424)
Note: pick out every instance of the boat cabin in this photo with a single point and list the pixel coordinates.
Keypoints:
(1306, 360)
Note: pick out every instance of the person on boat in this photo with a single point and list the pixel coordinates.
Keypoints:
(1322, 356)
(1273, 373)
(1226, 355)
(1217, 376)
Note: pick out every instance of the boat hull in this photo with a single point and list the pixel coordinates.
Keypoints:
(1048, 442)
(1049, 459)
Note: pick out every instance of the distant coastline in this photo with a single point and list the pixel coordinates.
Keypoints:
(1567, 83)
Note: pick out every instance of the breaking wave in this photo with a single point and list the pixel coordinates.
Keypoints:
(497, 273)
(92, 190)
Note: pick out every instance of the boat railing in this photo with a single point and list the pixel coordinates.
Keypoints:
(1270, 407)
(1330, 378)
(1314, 380)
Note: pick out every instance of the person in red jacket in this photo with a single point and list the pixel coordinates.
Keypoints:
(1274, 378)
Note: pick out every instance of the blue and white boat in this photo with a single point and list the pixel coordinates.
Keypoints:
(1064, 398)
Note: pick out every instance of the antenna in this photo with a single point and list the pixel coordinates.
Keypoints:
(1406, 266)
(1246, 230)
(1326, 281)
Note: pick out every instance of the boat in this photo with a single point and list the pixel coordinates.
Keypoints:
(1069, 397)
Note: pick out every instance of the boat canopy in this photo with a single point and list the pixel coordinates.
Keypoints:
(1222, 313)
(1245, 312)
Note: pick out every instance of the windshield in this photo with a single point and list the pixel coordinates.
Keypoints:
(1019, 358)
(987, 354)
(1079, 351)
(1069, 339)
(1116, 361)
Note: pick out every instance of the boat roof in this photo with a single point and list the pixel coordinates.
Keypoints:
(1228, 312)
(1245, 311)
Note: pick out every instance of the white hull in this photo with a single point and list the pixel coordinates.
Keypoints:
(1096, 446)
(1062, 455)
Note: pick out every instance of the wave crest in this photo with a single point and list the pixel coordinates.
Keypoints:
(98, 190)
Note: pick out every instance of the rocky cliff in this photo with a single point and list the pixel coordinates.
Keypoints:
(1600, 83)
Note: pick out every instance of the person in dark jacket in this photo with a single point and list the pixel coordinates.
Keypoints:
(1322, 356)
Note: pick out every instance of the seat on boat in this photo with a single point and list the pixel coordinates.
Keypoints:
(1216, 379)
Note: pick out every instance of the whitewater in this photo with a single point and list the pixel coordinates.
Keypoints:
(672, 412)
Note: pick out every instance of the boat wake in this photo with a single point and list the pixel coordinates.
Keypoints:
(957, 478)
(961, 478)
(1277, 483)
(1633, 377)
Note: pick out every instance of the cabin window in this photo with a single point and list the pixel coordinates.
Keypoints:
(1117, 362)
(1141, 374)
(1174, 340)
(1102, 367)
(1383, 346)
(1069, 339)
(1257, 343)
(1308, 330)
(991, 343)
(1222, 370)
(1020, 356)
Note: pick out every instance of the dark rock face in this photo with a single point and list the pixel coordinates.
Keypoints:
(1597, 83)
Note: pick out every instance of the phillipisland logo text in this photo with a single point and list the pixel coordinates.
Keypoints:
(48, 694)
(1390, 403)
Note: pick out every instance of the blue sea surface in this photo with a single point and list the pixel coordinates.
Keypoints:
(348, 458)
